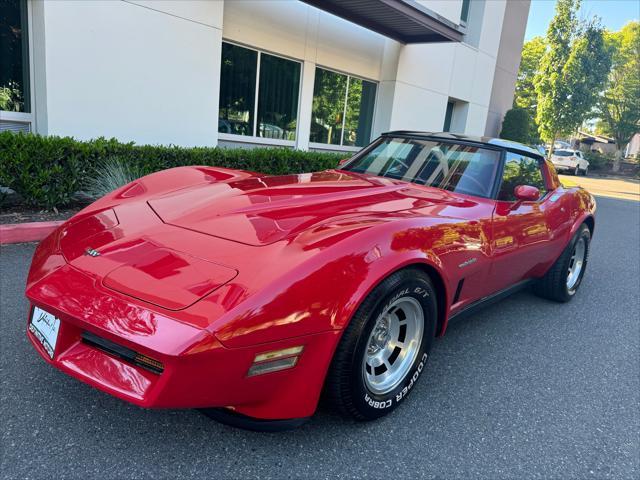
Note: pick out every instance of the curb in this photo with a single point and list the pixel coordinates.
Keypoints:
(26, 232)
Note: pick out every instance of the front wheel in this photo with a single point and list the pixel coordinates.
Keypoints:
(385, 347)
(565, 276)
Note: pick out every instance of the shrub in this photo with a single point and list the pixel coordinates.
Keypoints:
(598, 161)
(517, 126)
(47, 171)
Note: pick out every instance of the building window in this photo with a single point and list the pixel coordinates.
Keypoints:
(342, 109)
(258, 94)
(455, 117)
(448, 116)
(14, 57)
(464, 14)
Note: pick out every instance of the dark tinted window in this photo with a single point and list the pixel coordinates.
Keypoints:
(520, 170)
(464, 14)
(342, 109)
(458, 168)
(278, 92)
(360, 102)
(14, 58)
(237, 89)
(329, 92)
(278, 97)
(448, 116)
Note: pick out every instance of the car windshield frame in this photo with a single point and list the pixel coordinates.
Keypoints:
(497, 170)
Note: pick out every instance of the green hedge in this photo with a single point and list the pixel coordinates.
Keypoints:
(598, 161)
(47, 171)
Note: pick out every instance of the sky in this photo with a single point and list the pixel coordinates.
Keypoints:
(613, 13)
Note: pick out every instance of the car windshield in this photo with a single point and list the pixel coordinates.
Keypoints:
(563, 153)
(457, 168)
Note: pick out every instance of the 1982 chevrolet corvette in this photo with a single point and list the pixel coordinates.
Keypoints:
(249, 295)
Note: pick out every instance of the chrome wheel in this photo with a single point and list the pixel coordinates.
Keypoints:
(576, 263)
(393, 345)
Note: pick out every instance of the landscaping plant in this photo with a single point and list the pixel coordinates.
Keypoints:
(47, 172)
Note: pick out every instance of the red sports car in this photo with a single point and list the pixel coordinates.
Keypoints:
(249, 295)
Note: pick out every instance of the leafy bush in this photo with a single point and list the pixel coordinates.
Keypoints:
(598, 161)
(517, 126)
(47, 171)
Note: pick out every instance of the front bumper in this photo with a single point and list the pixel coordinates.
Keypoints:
(199, 372)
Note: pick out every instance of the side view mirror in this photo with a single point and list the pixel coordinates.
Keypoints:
(343, 161)
(526, 193)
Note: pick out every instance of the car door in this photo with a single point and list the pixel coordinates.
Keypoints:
(525, 235)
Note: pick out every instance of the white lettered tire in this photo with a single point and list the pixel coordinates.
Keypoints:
(384, 349)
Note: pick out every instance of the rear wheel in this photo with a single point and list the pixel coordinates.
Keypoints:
(385, 348)
(565, 276)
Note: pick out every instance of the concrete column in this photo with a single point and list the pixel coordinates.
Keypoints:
(386, 87)
(306, 105)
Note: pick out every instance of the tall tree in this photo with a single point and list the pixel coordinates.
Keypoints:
(516, 126)
(619, 105)
(525, 95)
(572, 72)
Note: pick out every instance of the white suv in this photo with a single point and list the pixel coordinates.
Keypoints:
(570, 160)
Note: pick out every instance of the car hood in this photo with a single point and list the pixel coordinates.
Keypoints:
(262, 210)
(152, 248)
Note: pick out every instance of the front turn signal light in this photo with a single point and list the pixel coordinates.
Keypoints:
(275, 360)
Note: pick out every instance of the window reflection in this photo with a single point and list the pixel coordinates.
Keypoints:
(278, 97)
(457, 168)
(14, 57)
(520, 170)
(329, 91)
(278, 93)
(342, 109)
(237, 89)
(360, 103)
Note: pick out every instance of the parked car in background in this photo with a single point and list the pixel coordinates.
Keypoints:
(541, 150)
(249, 295)
(561, 145)
(570, 160)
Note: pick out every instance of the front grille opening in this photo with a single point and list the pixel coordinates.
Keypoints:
(124, 353)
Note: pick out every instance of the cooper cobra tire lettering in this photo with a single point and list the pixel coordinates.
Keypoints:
(414, 378)
(375, 404)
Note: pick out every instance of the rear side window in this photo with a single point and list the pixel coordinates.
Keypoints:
(520, 170)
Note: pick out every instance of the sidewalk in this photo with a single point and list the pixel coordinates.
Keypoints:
(614, 187)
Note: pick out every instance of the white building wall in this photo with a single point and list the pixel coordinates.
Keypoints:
(148, 71)
(436, 73)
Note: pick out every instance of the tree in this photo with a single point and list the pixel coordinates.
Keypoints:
(525, 95)
(619, 105)
(572, 72)
(516, 126)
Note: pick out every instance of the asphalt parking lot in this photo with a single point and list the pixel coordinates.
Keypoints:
(525, 389)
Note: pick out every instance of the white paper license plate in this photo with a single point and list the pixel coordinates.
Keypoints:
(45, 328)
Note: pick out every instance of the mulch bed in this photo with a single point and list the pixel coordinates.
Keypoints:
(19, 214)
